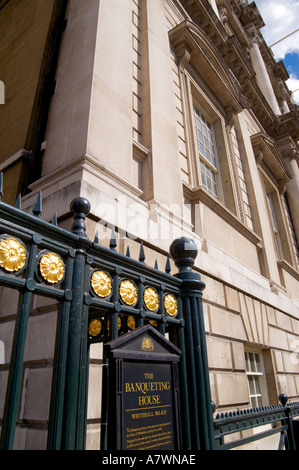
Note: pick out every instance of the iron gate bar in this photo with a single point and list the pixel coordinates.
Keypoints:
(36, 235)
(17, 357)
(59, 366)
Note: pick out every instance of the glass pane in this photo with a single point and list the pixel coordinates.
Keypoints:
(247, 361)
(252, 362)
(257, 386)
(258, 363)
(260, 401)
(254, 402)
(251, 385)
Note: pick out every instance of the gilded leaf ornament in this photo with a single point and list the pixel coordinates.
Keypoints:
(52, 268)
(171, 305)
(101, 284)
(12, 255)
(95, 327)
(151, 299)
(128, 292)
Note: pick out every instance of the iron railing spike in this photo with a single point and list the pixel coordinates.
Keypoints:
(156, 265)
(141, 253)
(18, 202)
(54, 220)
(96, 238)
(128, 254)
(37, 208)
(168, 267)
(113, 243)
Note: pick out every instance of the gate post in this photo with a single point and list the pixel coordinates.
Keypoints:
(73, 432)
(183, 251)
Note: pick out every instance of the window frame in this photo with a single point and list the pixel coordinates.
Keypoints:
(258, 377)
(213, 167)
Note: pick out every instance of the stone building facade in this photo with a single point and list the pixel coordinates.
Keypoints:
(172, 118)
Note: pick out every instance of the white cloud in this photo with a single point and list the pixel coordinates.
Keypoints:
(281, 18)
(293, 84)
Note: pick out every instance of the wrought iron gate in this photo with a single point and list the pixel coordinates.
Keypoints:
(100, 294)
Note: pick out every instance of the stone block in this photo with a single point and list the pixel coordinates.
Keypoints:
(279, 365)
(231, 389)
(36, 439)
(6, 338)
(226, 324)
(36, 394)
(214, 291)
(3, 385)
(238, 356)
(271, 316)
(95, 392)
(40, 341)
(283, 321)
(232, 298)
(219, 353)
(93, 437)
(278, 339)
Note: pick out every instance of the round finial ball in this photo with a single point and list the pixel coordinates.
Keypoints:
(80, 205)
(183, 249)
(283, 398)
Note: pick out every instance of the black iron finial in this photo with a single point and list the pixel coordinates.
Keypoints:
(167, 266)
(283, 398)
(80, 208)
(183, 251)
(113, 243)
(37, 208)
(141, 253)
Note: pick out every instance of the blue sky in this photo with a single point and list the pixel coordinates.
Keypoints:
(282, 18)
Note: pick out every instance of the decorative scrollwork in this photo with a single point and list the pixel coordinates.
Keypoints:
(12, 255)
(128, 292)
(52, 268)
(151, 299)
(101, 284)
(171, 305)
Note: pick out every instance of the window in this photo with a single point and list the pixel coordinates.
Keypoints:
(274, 226)
(291, 229)
(207, 153)
(247, 217)
(256, 379)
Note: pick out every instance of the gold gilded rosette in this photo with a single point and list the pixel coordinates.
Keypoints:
(128, 292)
(12, 255)
(171, 305)
(52, 268)
(151, 299)
(95, 327)
(101, 284)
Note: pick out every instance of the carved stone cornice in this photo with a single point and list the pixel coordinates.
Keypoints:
(192, 44)
(266, 152)
(288, 148)
(251, 15)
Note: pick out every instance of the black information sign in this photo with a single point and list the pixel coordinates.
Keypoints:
(143, 404)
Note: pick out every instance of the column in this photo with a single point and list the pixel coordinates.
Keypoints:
(262, 76)
(292, 189)
(159, 127)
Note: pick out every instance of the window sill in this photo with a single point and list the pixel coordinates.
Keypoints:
(282, 264)
(199, 194)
